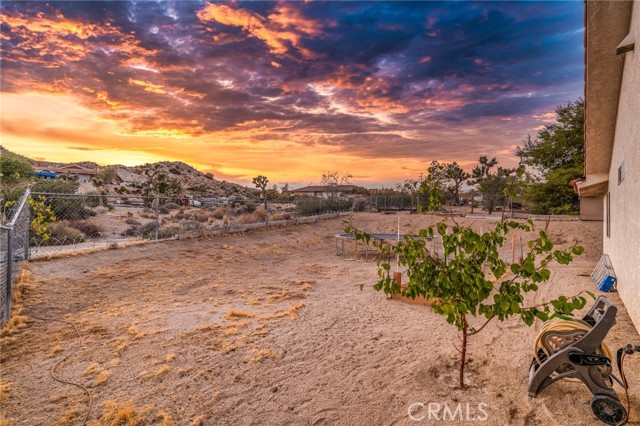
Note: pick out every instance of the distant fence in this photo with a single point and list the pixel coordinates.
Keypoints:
(14, 249)
(77, 223)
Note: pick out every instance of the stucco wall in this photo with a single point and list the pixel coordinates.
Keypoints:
(623, 245)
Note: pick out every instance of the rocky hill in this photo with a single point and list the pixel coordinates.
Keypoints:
(118, 179)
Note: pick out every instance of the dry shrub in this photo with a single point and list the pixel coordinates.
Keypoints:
(247, 218)
(170, 357)
(89, 229)
(233, 314)
(280, 216)
(120, 415)
(61, 234)
(261, 215)
(171, 206)
(201, 216)
(131, 221)
(218, 213)
(198, 421)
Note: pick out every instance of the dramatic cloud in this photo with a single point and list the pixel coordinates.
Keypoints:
(377, 88)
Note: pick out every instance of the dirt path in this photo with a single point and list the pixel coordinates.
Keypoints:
(270, 327)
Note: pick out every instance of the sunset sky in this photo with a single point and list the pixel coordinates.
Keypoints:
(285, 89)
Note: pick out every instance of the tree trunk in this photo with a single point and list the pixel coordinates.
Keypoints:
(463, 352)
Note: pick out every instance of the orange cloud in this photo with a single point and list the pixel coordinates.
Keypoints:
(280, 32)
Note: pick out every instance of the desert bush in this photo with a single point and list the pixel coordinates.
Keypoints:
(247, 218)
(171, 206)
(163, 210)
(89, 229)
(280, 216)
(218, 213)
(148, 229)
(260, 215)
(147, 210)
(249, 207)
(60, 233)
(201, 216)
(310, 206)
(168, 231)
(359, 205)
(191, 225)
(180, 215)
(131, 221)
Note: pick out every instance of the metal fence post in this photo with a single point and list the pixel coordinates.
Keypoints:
(9, 282)
(157, 216)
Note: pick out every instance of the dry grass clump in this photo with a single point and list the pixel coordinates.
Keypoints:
(260, 330)
(120, 415)
(170, 357)
(219, 213)
(5, 422)
(101, 374)
(293, 310)
(259, 355)
(164, 369)
(165, 419)
(102, 377)
(198, 421)
(233, 314)
(70, 417)
(56, 349)
(15, 324)
(133, 330)
(222, 345)
(4, 391)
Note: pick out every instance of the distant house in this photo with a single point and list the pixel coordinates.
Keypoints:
(612, 137)
(81, 173)
(324, 190)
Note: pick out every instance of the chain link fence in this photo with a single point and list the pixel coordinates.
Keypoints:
(14, 249)
(68, 223)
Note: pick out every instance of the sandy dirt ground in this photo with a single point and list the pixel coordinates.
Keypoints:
(270, 327)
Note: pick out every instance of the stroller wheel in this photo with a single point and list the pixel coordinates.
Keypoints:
(608, 409)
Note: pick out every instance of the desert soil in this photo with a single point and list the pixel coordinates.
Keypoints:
(271, 327)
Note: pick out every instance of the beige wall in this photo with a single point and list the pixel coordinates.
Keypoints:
(623, 245)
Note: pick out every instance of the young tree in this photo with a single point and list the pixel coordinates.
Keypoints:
(471, 280)
(491, 185)
(456, 175)
(261, 183)
(557, 155)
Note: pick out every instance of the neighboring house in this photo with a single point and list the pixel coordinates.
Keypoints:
(612, 137)
(81, 173)
(324, 190)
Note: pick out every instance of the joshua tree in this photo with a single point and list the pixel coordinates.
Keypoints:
(261, 183)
